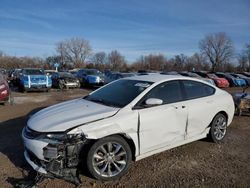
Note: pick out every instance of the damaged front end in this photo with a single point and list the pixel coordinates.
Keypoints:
(61, 154)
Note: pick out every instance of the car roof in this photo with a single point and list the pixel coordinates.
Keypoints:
(156, 77)
(32, 69)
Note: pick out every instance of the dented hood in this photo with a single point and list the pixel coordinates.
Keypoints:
(69, 114)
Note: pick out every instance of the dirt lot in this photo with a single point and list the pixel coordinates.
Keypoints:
(199, 164)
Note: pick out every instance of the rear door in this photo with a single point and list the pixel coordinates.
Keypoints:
(200, 101)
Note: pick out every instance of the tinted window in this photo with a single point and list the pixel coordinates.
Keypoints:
(119, 93)
(195, 89)
(33, 71)
(169, 92)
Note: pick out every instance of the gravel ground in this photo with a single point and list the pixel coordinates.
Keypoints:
(199, 164)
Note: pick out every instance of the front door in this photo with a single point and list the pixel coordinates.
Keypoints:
(165, 124)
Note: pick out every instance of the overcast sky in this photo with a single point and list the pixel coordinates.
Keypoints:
(133, 27)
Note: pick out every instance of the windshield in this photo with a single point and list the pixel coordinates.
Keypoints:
(127, 75)
(65, 75)
(92, 72)
(194, 75)
(241, 76)
(33, 71)
(119, 93)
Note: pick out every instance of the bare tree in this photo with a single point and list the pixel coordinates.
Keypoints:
(75, 50)
(155, 62)
(99, 61)
(116, 61)
(242, 62)
(247, 56)
(218, 48)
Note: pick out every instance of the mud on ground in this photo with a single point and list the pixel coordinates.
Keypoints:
(199, 164)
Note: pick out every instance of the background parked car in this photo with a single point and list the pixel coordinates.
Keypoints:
(194, 75)
(5, 93)
(220, 82)
(170, 73)
(91, 77)
(232, 80)
(49, 72)
(242, 77)
(246, 74)
(118, 75)
(15, 77)
(64, 80)
(74, 72)
(34, 79)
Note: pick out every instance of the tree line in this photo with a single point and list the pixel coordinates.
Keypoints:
(217, 53)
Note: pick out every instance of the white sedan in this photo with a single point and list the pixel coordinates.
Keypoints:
(126, 120)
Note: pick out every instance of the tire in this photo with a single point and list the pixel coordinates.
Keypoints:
(61, 85)
(21, 88)
(109, 158)
(218, 128)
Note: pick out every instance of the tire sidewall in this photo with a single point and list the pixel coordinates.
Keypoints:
(213, 137)
(93, 148)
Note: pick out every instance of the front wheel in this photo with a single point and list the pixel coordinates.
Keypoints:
(218, 128)
(109, 158)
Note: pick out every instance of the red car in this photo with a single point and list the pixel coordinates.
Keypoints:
(220, 82)
(4, 90)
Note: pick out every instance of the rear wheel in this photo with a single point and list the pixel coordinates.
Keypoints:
(109, 158)
(218, 128)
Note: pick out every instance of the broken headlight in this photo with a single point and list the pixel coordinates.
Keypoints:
(61, 137)
(56, 136)
(53, 138)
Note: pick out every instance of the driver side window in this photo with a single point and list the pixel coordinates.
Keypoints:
(168, 92)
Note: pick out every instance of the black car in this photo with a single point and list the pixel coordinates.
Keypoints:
(64, 80)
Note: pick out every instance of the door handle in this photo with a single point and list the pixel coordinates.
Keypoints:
(177, 107)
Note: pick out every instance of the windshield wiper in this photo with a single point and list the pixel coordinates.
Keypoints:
(97, 100)
(101, 101)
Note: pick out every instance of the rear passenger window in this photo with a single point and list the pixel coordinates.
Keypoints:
(195, 89)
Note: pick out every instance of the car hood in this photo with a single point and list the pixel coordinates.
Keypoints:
(69, 114)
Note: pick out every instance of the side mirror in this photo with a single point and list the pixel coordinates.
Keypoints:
(153, 102)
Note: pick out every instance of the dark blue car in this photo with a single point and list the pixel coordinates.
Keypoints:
(247, 79)
(239, 80)
(90, 77)
(34, 79)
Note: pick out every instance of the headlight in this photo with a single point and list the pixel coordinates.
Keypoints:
(56, 136)
(60, 137)
(52, 137)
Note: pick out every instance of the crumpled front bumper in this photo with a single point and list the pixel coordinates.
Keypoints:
(52, 158)
(33, 165)
(34, 149)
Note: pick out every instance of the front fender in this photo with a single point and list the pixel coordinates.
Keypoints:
(97, 131)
